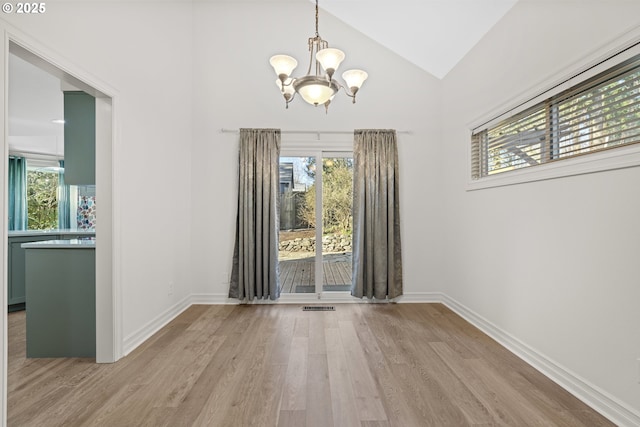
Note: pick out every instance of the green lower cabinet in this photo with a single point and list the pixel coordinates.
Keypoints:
(16, 267)
(61, 315)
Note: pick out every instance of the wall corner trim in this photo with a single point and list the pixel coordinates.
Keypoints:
(134, 340)
(590, 394)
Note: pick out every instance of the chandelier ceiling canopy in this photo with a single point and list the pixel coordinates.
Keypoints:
(317, 88)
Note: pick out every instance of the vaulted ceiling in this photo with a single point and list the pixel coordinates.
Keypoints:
(432, 34)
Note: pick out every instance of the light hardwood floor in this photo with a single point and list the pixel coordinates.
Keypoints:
(264, 365)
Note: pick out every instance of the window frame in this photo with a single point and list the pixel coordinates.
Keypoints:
(623, 156)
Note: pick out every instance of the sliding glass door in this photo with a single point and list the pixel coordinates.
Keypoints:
(316, 196)
(337, 222)
(297, 237)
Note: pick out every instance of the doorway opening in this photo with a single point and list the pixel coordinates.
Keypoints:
(108, 317)
(316, 223)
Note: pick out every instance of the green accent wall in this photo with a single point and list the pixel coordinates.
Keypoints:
(79, 138)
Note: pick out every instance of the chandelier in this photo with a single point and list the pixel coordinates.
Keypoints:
(316, 88)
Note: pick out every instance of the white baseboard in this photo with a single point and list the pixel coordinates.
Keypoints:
(421, 297)
(333, 297)
(212, 299)
(596, 398)
(135, 339)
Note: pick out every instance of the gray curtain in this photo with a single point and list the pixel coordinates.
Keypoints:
(254, 272)
(17, 193)
(377, 257)
(64, 202)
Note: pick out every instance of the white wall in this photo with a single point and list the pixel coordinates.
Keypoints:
(553, 263)
(175, 87)
(568, 292)
(234, 86)
(143, 51)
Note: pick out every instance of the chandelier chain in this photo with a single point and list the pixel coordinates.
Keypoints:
(317, 34)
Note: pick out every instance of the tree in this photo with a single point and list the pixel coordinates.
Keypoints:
(337, 197)
(42, 200)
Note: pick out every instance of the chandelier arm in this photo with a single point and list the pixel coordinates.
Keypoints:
(346, 89)
(310, 57)
(287, 101)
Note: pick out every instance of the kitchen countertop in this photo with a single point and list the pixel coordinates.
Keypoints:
(61, 244)
(29, 233)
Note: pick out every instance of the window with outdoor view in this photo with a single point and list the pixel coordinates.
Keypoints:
(42, 199)
(600, 113)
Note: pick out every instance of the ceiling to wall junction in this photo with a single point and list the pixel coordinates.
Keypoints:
(432, 34)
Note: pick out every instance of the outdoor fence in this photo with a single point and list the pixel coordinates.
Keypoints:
(290, 203)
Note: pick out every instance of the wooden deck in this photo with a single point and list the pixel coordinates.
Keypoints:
(298, 276)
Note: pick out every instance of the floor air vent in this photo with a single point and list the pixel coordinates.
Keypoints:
(318, 308)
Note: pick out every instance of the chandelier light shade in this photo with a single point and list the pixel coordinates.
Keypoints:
(330, 60)
(316, 88)
(283, 65)
(354, 79)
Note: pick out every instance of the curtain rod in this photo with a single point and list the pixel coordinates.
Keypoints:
(314, 132)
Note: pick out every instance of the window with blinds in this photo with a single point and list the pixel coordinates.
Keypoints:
(597, 114)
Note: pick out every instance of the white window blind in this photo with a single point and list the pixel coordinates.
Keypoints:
(600, 113)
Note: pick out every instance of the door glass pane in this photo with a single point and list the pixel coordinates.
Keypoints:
(297, 224)
(337, 222)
